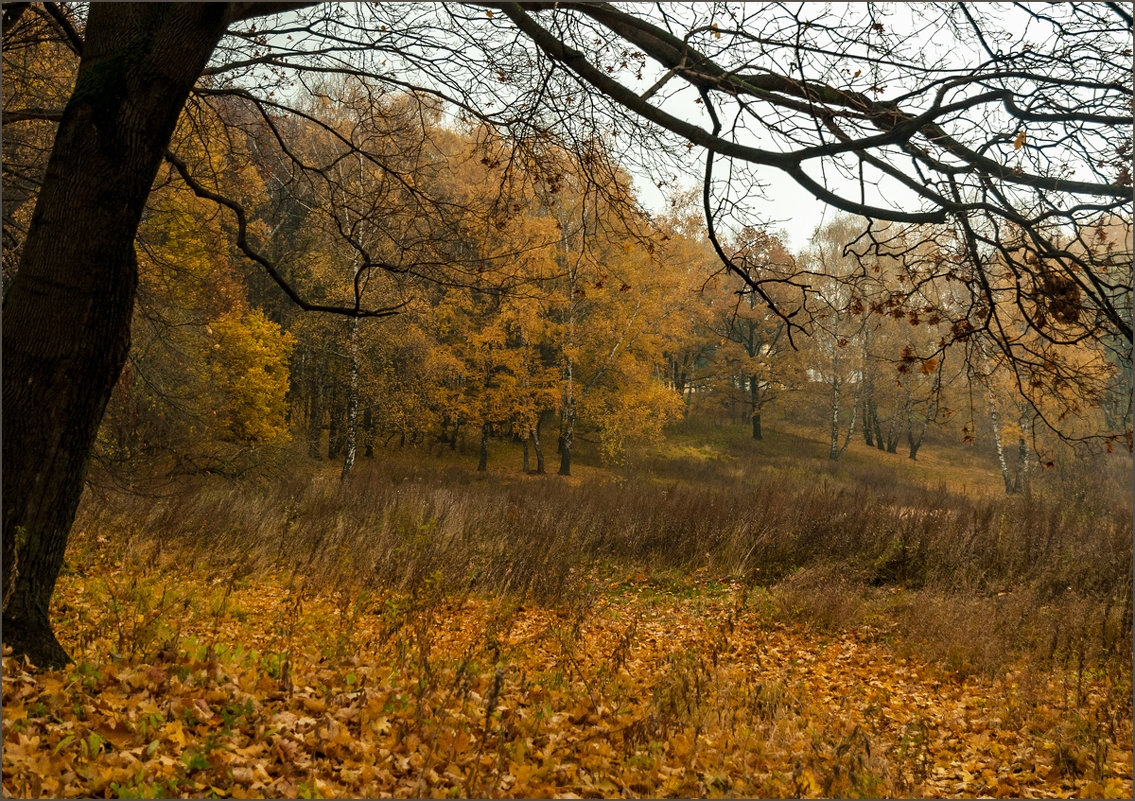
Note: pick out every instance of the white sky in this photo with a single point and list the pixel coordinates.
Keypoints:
(788, 208)
(785, 206)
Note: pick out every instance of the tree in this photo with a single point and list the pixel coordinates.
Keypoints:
(976, 139)
(251, 381)
(901, 391)
(67, 311)
(39, 72)
(366, 218)
(493, 327)
(840, 332)
(689, 340)
(206, 383)
(604, 315)
(754, 338)
(204, 388)
(971, 148)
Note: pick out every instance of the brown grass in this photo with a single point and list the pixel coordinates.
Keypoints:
(985, 579)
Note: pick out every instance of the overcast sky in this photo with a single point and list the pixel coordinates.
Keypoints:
(785, 206)
(782, 204)
(788, 208)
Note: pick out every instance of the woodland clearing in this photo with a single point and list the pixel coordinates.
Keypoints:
(207, 665)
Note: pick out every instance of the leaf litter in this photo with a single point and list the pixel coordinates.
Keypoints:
(189, 688)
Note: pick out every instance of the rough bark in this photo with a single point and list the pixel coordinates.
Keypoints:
(66, 321)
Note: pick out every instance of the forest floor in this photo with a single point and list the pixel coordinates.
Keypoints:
(657, 687)
(722, 618)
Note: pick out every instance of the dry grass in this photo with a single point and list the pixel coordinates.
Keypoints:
(709, 556)
(985, 579)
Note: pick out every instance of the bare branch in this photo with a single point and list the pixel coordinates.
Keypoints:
(273, 271)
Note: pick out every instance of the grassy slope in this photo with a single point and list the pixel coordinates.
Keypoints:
(719, 617)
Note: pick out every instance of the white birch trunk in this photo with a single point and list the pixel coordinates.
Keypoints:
(995, 418)
(352, 403)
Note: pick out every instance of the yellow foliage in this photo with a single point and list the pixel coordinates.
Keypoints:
(248, 371)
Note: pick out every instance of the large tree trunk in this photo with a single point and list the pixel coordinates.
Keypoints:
(66, 321)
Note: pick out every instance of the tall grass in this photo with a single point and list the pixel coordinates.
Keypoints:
(1063, 548)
